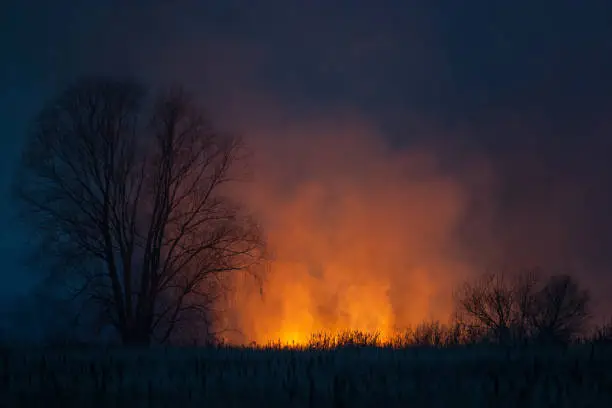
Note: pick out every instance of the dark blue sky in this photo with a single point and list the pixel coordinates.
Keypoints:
(505, 77)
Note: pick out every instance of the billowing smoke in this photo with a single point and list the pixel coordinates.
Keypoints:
(363, 236)
(369, 236)
(366, 234)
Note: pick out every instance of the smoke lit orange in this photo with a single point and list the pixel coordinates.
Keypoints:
(362, 236)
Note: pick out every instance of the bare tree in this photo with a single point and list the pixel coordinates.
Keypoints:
(128, 196)
(487, 304)
(521, 309)
(560, 310)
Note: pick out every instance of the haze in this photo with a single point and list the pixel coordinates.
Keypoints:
(398, 147)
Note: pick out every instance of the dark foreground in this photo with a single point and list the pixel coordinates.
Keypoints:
(369, 377)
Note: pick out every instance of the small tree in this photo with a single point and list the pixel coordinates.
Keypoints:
(488, 303)
(521, 309)
(560, 310)
(128, 202)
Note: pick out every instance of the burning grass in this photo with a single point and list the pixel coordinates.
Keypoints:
(433, 334)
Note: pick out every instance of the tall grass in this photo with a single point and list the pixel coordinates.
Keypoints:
(478, 376)
(431, 365)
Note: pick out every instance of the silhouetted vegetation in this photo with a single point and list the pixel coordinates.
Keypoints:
(351, 377)
(126, 194)
(523, 308)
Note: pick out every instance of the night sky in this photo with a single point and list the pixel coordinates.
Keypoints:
(526, 84)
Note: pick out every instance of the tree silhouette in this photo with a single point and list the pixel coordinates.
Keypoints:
(488, 303)
(521, 308)
(128, 199)
(560, 310)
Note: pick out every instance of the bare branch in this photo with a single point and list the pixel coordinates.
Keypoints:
(136, 189)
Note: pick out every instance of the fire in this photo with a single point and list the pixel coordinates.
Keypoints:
(365, 308)
(361, 236)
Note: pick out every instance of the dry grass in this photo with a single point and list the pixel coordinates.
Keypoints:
(346, 370)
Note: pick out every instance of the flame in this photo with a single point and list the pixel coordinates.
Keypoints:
(362, 236)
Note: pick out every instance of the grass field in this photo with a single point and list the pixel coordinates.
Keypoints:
(476, 376)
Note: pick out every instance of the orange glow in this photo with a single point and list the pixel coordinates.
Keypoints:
(362, 236)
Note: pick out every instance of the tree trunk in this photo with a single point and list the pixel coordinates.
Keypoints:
(135, 336)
